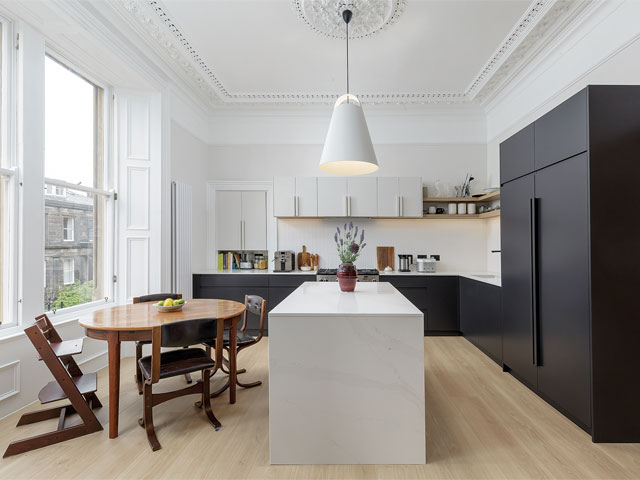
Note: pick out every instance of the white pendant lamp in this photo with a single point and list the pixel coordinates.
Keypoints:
(348, 149)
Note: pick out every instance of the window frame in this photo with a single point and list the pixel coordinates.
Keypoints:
(107, 191)
(64, 271)
(10, 174)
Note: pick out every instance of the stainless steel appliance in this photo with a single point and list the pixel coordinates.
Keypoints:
(364, 275)
(405, 261)
(284, 261)
(424, 264)
(246, 262)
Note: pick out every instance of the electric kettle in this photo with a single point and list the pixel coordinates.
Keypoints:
(405, 261)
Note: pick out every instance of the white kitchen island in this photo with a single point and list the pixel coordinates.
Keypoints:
(346, 377)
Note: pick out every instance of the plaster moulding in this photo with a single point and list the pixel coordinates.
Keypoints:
(370, 16)
(538, 26)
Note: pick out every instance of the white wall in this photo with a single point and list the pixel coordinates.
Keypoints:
(190, 159)
(461, 243)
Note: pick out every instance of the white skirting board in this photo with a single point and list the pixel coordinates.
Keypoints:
(181, 233)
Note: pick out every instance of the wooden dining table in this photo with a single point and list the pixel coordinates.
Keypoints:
(133, 322)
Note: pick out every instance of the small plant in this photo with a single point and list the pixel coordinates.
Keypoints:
(347, 243)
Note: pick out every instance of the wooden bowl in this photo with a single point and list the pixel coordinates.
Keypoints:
(172, 308)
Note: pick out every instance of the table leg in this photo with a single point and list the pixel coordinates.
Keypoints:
(113, 341)
(233, 371)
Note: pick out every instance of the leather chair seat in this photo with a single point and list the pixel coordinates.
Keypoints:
(178, 362)
(241, 339)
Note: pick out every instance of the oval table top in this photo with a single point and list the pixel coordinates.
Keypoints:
(145, 316)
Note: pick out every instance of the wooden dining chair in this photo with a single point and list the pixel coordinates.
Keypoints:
(159, 366)
(155, 297)
(70, 383)
(254, 305)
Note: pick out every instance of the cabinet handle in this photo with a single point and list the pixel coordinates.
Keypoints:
(346, 205)
(397, 205)
(401, 206)
(349, 205)
(296, 206)
(533, 211)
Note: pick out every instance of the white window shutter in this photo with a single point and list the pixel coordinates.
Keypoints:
(139, 150)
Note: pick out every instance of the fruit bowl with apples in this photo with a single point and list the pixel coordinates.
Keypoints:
(170, 305)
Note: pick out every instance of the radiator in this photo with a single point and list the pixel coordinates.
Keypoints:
(181, 233)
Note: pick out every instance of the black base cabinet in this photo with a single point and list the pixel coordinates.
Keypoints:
(570, 274)
(480, 316)
(273, 288)
(435, 296)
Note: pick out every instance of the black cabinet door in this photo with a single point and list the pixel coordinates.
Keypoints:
(469, 319)
(562, 132)
(442, 305)
(516, 155)
(415, 289)
(517, 304)
(490, 311)
(563, 272)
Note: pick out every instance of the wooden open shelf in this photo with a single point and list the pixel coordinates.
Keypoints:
(488, 197)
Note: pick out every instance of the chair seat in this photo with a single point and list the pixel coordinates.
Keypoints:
(178, 362)
(241, 339)
(143, 342)
(52, 391)
(66, 347)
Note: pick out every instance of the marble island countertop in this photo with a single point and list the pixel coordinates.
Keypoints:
(321, 299)
(486, 277)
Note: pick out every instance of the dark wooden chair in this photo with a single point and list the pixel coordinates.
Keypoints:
(159, 366)
(70, 383)
(156, 297)
(255, 305)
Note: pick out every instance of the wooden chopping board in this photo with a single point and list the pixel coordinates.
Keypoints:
(304, 258)
(386, 257)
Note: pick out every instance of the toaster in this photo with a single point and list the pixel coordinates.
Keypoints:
(284, 261)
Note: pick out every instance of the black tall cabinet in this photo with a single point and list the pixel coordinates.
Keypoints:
(570, 227)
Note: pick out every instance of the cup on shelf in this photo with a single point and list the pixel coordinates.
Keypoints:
(432, 210)
(452, 209)
(471, 208)
(462, 209)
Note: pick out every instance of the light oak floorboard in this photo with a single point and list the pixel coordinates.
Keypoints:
(481, 424)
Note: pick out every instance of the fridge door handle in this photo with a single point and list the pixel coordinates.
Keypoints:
(533, 210)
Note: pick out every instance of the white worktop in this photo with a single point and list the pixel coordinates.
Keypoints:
(486, 277)
(369, 298)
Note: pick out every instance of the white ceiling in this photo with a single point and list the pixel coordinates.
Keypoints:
(261, 47)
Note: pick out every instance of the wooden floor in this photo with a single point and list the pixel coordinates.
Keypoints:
(481, 423)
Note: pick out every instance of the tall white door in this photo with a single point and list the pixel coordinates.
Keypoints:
(332, 197)
(388, 197)
(284, 196)
(254, 220)
(307, 196)
(228, 220)
(362, 196)
(410, 190)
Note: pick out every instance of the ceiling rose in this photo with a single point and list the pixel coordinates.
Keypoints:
(369, 16)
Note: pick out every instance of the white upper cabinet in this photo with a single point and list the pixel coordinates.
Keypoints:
(362, 196)
(388, 197)
(228, 220)
(295, 197)
(241, 220)
(399, 197)
(254, 220)
(332, 197)
(347, 197)
(306, 197)
(284, 196)
(410, 191)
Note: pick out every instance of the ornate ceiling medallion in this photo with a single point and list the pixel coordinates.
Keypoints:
(369, 16)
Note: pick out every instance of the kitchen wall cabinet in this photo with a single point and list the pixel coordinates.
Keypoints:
(517, 154)
(332, 197)
(295, 196)
(480, 316)
(347, 197)
(241, 220)
(399, 197)
(362, 193)
(564, 267)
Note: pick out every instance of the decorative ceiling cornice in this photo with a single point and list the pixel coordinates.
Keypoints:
(369, 16)
(539, 24)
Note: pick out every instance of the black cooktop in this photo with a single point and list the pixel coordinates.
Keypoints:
(334, 271)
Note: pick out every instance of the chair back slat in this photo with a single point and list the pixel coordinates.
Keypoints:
(156, 297)
(189, 332)
(47, 328)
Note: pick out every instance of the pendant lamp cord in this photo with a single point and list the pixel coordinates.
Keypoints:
(347, 61)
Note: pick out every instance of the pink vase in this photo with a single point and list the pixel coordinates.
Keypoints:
(347, 277)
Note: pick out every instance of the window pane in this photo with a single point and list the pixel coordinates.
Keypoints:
(69, 126)
(73, 262)
(3, 248)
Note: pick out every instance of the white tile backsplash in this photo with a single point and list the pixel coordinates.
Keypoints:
(461, 244)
